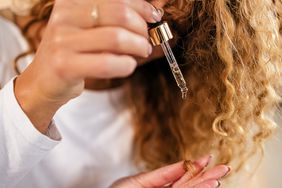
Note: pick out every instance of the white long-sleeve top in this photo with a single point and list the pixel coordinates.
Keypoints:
(95, 148)
(96, 145)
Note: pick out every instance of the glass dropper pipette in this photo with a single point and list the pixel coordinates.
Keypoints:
(160, 34)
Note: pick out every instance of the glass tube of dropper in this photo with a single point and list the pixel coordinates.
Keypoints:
(178, 76)
(160, 34)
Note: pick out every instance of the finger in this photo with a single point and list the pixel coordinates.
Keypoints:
(199, 165)
(108, 15)
(161, 176)
(112, 13)
(110, 39)
(117, 14)
(208, 184)
(102, 65)
(216, 172)
(145, 9)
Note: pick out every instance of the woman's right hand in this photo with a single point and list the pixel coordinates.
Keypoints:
(76, 46)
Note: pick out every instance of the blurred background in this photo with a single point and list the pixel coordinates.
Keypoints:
(271, 167)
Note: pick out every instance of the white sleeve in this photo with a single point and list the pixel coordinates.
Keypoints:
(22, 146)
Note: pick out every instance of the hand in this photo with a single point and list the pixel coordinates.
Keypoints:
(176, 177)
(76, 46)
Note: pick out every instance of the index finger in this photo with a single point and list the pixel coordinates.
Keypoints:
(199, 166)
(144, 9)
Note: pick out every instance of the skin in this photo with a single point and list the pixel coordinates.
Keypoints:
(177, 177)
(76, 51)
(72, 50)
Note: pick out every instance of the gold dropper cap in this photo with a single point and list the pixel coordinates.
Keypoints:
(160, 33)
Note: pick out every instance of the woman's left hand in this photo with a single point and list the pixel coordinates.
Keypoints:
(174, 176)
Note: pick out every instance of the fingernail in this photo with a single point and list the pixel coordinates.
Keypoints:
(156, 14)
(161, 11)
(218, 184)
(209, 160)
(228, 171)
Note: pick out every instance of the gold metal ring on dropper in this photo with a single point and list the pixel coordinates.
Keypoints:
(160, 34)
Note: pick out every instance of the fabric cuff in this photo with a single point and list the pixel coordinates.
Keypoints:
(22, 123)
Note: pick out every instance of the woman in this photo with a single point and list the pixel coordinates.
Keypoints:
(29, 146)
(226, 50)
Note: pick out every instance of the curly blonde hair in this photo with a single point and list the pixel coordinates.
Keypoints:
(232, 56)
(230, 53)
(19, 7)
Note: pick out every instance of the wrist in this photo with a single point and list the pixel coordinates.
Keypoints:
(38, 108)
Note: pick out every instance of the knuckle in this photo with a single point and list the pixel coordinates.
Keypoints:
(62, 14)
(165, 177)
(117, 38)
(105, 69)
(59, 38)
(57, 42)
(58, 62)
(58, 17)
(106, 59)
(125, 14)
(129, 69)
(55, 31)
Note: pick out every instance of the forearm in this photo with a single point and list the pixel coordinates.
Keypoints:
(21, 145)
